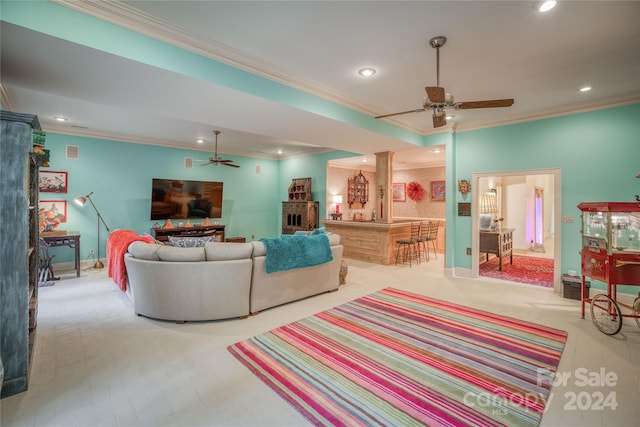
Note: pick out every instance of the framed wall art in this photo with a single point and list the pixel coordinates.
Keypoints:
(398, 192)
(53, 210)
(437, 190)
(53, 182)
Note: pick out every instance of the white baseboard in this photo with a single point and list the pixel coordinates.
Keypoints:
(462, 272)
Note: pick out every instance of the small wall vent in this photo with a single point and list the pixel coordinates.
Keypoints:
(72, 152)
(188, 162)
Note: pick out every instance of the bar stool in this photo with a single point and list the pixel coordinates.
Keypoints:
(429, 235)
(409, 245)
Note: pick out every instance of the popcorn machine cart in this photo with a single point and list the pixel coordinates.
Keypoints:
(611, 254)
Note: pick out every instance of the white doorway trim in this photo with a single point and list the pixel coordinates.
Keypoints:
(557, 236)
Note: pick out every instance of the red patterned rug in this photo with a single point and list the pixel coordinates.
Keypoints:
(534, 271)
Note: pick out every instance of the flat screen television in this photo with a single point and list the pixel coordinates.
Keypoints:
(182, 199)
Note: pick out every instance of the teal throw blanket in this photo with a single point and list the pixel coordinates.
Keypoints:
(289, 252)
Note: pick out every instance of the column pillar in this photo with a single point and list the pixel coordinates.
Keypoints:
(384, 175)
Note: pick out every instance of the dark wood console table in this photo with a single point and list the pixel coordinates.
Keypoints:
(162, 234)
(499, 243)
(72, 240)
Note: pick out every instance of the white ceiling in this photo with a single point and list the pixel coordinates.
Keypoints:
(494, 50)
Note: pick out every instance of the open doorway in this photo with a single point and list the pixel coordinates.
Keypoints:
(516, 227)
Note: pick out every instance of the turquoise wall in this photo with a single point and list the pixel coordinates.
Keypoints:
(120, 174)
(597, 152)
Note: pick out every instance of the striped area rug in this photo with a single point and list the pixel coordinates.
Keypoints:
(394, 358)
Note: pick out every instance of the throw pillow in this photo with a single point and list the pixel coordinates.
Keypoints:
(190, 242)
(320, 230)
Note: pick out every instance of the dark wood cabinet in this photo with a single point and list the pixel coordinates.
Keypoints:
(19, 250)
(162, 234)
(300, 190)
(299, 216)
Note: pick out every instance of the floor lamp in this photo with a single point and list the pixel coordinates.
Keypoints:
(81, 202)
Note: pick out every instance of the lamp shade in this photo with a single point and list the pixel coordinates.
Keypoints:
(80, 201)
(488, 203)
(337, 198)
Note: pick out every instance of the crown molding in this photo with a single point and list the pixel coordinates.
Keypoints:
(125, 16)
(553, 113)
(88, 133)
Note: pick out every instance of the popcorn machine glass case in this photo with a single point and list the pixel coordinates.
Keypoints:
(611, 251)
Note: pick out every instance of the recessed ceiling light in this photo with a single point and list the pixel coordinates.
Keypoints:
(60, 119)
(585, 89)
(449, 117)
(367, 71)
(200, 141)
(544, 6)
(364, 160)
(279, 151)
(435, 150)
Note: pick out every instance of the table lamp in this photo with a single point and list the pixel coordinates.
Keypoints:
(488, 207)
(337, 199)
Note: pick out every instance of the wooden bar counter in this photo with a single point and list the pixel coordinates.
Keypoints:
(376, 241)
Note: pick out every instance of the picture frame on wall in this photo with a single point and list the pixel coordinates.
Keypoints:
(53, 210)
(438, 190)
(399, 192)
(52, 182)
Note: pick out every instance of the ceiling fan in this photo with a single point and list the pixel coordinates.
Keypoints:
(215, 159)
(438, 101)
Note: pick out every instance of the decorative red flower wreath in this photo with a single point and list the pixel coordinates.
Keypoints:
(415, 191)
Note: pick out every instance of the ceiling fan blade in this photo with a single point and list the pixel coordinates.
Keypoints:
(435, 94)
(231, 164)
(483, 104)
(439, 120)
(419, 110)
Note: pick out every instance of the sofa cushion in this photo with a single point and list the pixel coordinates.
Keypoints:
(258, 248)
(190, 242)
(144, 250)
(334, 239)
(219, 251)
(176, 254)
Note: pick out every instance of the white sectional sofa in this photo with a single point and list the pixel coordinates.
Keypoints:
(181, 284)
(272, 289)
(219, 280)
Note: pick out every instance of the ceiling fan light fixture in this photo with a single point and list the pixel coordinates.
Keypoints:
(367, 71)
(215, 159)
(438, 100)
